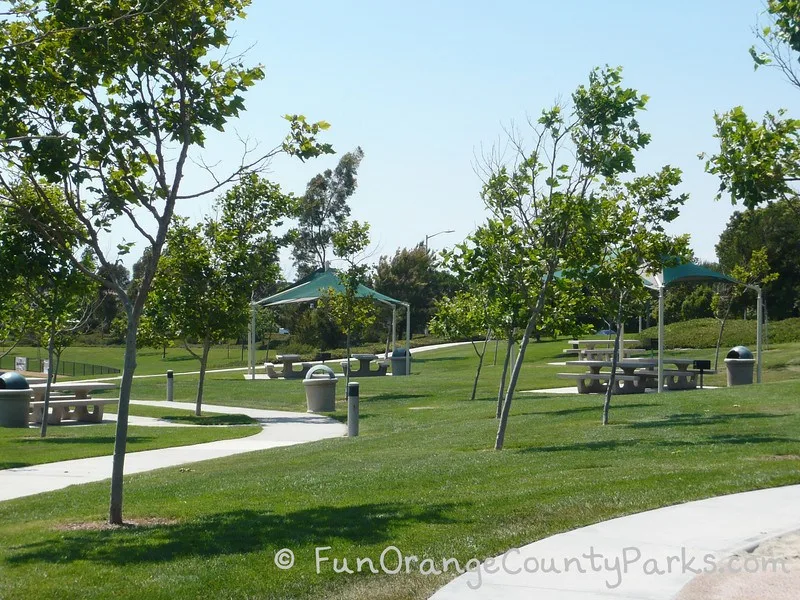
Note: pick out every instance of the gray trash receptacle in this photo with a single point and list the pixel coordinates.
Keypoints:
(740, 362)
(15, 400)
(320, 383)
(398, 359)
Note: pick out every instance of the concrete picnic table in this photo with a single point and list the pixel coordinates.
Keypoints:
(288, 361)
(80, 389)
(364, 362)
(636, 375)
(74, 407)
(596, 349)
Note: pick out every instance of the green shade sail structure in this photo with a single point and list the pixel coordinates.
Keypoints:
(689, 272)
(316, 285)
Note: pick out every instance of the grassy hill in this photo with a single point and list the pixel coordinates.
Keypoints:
(702, 333)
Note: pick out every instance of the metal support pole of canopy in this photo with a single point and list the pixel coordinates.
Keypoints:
(660, 381)
(251, 342)
(759, 326)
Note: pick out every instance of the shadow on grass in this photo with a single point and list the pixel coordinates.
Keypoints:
(12, 465)
(694, 419)
(438, 359)
(94, 439)
(394, 396)
(236, 532)
(342, 418)
(712, 440)
(585, 409)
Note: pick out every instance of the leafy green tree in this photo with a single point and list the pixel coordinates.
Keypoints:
(759, 161)
(208, 272)
(349, 311)
(548, 195)
(414, 275)
(492, 260)
(57, 292)
(466, 316)
(776, 228)
(109, 307)
(109, 103)
(627, 237)
(321, 211)
(754, 271)
(16, 314)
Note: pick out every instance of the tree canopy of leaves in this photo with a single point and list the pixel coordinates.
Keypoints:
(321, 211)
(759, 160)
(209, 271)
(414, 275)
(553, 195)
(109, 100)
(776, 229)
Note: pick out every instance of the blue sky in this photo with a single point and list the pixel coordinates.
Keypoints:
(421, 86)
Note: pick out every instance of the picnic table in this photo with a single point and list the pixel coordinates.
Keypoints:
(288, 372)
(364, 362)
(635, 376)
(71, 401)
(599, 349)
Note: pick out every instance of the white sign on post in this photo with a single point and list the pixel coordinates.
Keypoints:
(21, 363)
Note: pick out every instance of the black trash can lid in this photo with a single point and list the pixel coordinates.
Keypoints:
(739, 352)
(399, 352)
(13, 381)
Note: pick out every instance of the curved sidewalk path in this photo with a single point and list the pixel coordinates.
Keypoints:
(279, 428)
(706, 530)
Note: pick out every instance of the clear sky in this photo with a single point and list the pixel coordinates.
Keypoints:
(420, 86)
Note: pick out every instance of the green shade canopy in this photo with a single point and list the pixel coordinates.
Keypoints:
(684, 272)
(316, 285)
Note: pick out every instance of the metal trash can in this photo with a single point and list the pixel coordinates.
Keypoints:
(15, 400)
(398, 359)
(740, 363)
(320, 383)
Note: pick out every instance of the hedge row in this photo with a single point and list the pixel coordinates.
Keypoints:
(702, 333)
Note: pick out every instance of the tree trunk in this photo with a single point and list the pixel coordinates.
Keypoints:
(614, 361)
(203, 363)
(121, 436)
(719, 337)
(480, 364)
(50, 353)
(506, 362)
(512, 384)
(523, 345)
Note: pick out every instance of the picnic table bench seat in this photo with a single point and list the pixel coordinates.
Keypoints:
(70, 408)
(589, 383)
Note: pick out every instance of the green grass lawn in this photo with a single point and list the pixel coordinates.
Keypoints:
(24, 447)
(424, 480)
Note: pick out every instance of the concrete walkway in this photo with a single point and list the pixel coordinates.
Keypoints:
(279, 428)
(659, 545)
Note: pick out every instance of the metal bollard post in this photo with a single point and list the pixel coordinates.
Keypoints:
(352, 409)
(170, 386)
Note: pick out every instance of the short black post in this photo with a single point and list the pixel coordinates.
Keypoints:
(702, 365)
(352, 409)
(170, 386)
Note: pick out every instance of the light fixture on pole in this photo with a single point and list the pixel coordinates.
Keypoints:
(427, 237)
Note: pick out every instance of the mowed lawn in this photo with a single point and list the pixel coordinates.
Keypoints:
(25, 447)
(421, 477)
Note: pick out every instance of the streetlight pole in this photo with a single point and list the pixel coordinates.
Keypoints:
(427, 237)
